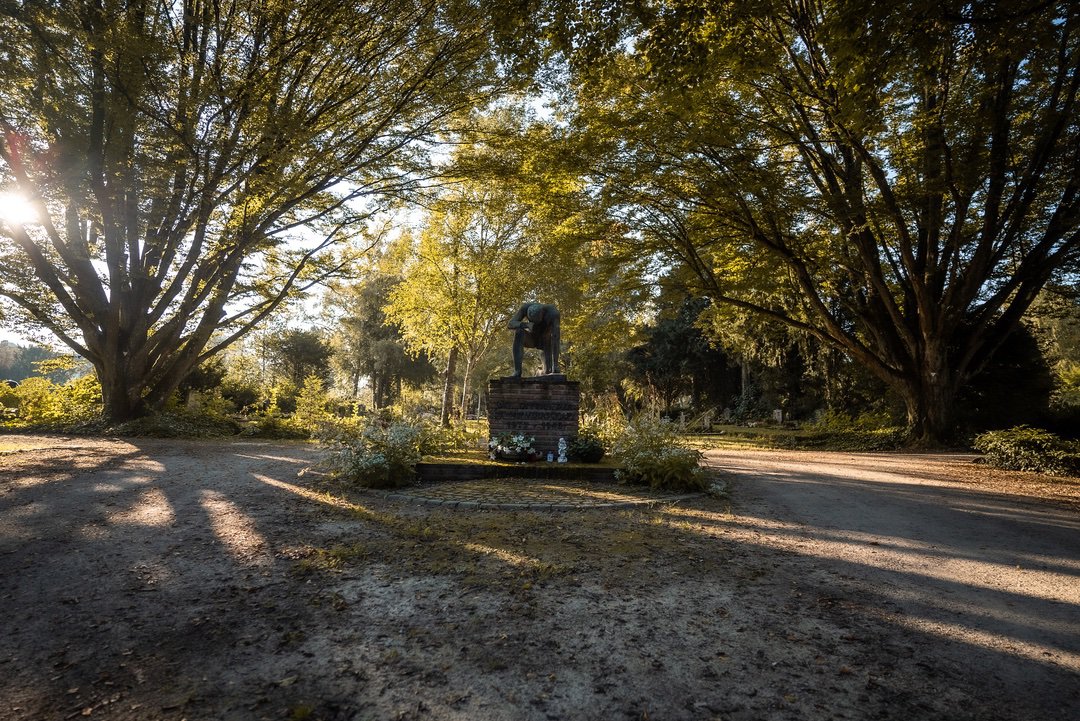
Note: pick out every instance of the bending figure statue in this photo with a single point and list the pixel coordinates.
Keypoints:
(536, 325)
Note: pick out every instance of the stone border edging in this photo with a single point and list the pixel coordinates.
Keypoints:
(435, 472)
(529, 505)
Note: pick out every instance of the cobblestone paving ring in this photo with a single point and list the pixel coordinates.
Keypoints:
(532, 494)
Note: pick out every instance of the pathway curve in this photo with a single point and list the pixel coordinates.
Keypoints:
(926, 546)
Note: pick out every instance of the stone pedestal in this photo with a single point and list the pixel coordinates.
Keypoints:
(544, 407)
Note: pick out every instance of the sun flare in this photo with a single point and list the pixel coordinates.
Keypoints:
(16, 209)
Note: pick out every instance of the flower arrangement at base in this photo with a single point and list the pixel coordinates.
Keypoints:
(513, 447)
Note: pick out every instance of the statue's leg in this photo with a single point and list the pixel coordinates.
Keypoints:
(553, 346)
(519, 351)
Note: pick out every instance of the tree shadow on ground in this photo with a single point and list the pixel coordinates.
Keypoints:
(206, 580)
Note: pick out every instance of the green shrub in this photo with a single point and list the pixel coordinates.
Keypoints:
(1067, 393)
(281, 394)
(271, 423)
(209, 403)
(749, 406)
(378, 456)
(651, 452)
(1024, 448)
(865, 432)
(35, 399)
(177, 424)
(312, 404)
(205, 378)
(9, 402)
(436, 440)
(607, 421)
(587, 447)
(40, 402)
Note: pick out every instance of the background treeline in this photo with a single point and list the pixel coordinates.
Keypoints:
(668, 360)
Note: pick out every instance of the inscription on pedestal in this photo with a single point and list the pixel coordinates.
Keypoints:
(545, 408)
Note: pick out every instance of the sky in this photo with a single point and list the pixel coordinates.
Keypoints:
(8, 336)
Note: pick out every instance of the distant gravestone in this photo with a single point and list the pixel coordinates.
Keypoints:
(778, 415)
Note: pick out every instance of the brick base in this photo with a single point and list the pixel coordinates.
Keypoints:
(431, 472)
(545, 407)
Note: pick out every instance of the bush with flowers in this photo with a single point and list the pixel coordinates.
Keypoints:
(650, 451)
(512, 447)
(378, 455)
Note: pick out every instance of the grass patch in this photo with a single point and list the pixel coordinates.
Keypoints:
(776, 437)
(336, 558)
(746, 437)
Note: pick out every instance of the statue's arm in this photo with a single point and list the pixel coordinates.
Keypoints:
(516, 321)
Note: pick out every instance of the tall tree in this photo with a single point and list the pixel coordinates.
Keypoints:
(676, 360)
(193, 163)
(577, 259)
(472, 267)
(898, 180)
(366, 345)
(296, 354)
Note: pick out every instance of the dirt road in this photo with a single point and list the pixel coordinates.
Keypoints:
(208, 580)
(920, 542)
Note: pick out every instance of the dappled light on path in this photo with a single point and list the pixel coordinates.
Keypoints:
(929, 548)
(902, 555)
(152, 508)
(970, 632)
(913, 567)
(208, 578)
(320, 497)
(234, 529)
(516, 559)
(516, 493)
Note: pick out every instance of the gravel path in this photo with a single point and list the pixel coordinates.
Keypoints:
(214, 580)
(934, 550)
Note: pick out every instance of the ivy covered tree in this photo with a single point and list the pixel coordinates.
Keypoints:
(192, 163)
(898, 180)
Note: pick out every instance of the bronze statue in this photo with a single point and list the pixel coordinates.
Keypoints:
(536, 325)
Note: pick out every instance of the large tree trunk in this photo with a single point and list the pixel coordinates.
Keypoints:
(117, 404)
(929, 395)
(126, 395)
(930, 411)
(448, 387)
